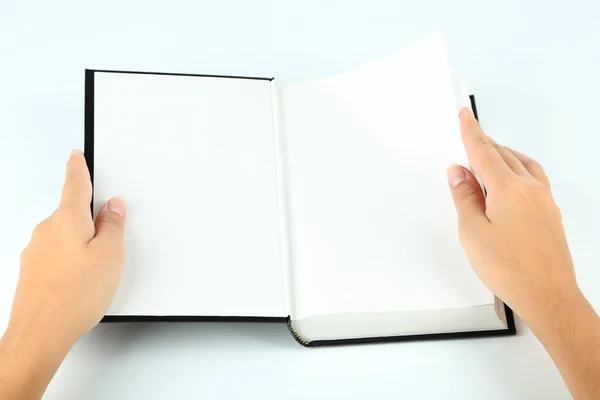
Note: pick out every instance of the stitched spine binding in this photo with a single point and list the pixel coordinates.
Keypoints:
(296, 335)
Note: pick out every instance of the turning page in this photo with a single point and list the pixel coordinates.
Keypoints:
(371, 220)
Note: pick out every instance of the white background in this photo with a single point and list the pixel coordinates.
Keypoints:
(533, 66)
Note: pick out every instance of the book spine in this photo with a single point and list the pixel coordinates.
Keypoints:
(279, 145)
(296, 335)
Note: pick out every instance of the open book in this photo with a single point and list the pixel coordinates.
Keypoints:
(322, 204)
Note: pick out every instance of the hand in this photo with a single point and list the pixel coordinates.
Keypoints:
(516, 244)
(69, 274)
(514, 237)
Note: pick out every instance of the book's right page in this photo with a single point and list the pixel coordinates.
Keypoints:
(372, 223)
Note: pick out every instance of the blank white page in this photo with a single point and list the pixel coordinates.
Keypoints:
(372, 224)
(194, 157)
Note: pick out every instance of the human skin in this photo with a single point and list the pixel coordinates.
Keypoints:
(516, 244)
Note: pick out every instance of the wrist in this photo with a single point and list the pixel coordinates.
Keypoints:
(40, 331)
(26, 366)
(553, 317)
(37, 350)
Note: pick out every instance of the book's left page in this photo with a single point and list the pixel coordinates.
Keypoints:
(194, 158)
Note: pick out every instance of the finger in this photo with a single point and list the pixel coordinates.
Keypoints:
(77, 190)
(532, 166)
(110, 228)
(510, 160)
(467, 195)
(483, 157)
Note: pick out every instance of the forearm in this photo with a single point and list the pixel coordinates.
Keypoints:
(27, 364)
(569, 329)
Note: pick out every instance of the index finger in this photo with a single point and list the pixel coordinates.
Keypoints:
(483, 157)
(77, 191)
(534, 168)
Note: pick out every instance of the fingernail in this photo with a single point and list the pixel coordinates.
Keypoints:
(466, 111)
(117, 205)
(456, 175)
(75, 151)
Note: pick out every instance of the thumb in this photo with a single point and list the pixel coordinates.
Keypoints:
(466, 193)
(110, 224)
